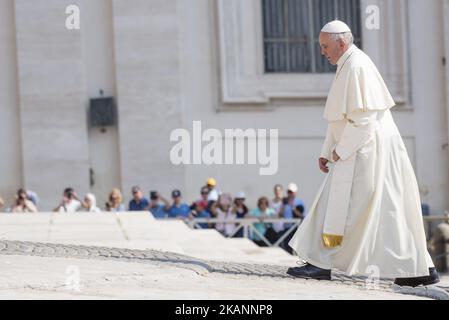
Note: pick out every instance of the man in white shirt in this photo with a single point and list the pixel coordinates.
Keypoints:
(70, 202)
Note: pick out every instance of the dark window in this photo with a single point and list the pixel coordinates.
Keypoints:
(291, 29)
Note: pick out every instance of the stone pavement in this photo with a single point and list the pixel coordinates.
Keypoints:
(199, 266)
(136, 230)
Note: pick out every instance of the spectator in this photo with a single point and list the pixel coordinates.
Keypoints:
(212, 196)
(90, 204)
(115, 201)
(139, 202)
(32, 196)
(292, 207)
(263, 210)
(202, 207)
(213, 192)
(158, 210)
(198, 210)
(276, 204)
(70, 202)
(240, 210)
(2, 203)
(204, 197)
(178, 209)
(22, 204)
(222, 209)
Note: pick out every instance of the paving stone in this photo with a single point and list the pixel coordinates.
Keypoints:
(8, 247)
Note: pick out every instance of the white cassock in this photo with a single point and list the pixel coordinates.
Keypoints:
(367, 215)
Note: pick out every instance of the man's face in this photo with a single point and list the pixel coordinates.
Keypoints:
(137, 195)
(330, 48)
(67, 197)
(204, 194)
(291, 195)
(88, 202)
(177, 200)
(278, 192)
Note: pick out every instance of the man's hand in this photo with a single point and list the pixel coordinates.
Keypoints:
(323, 165)
(335, 156)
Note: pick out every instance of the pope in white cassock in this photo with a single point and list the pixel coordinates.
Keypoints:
(367, 214)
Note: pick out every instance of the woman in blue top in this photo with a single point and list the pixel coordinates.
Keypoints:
(262, 211)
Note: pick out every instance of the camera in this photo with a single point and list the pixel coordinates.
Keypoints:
(154, 195)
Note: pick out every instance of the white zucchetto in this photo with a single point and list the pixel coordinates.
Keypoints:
(335, 26)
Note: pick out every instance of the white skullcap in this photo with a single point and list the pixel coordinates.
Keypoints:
(335, 26)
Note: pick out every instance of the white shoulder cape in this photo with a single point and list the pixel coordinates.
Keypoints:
(358, 86)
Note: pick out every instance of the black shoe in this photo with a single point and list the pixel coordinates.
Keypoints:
(309, 271)
(432, 278)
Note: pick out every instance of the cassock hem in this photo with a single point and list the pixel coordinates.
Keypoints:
(350, 274)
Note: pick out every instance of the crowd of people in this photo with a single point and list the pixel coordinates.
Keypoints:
(212, 203)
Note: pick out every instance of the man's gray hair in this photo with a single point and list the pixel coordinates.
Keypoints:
(345, 36)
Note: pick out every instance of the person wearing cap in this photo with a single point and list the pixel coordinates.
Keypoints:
(178, 209)
(367, 211)
(292, 208)
(240, 210)
(138, 202)
(213, 192)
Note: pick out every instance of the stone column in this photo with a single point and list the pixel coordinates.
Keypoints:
(52, 100)
(10, 142)
(148, 87)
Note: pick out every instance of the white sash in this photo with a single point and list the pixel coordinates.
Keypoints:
(338, 202)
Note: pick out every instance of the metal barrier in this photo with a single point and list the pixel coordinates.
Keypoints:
(442, 253)
(444, 217)
(434, 218)
(247, 225)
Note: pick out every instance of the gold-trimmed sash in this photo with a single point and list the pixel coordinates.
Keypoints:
(331, 240)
